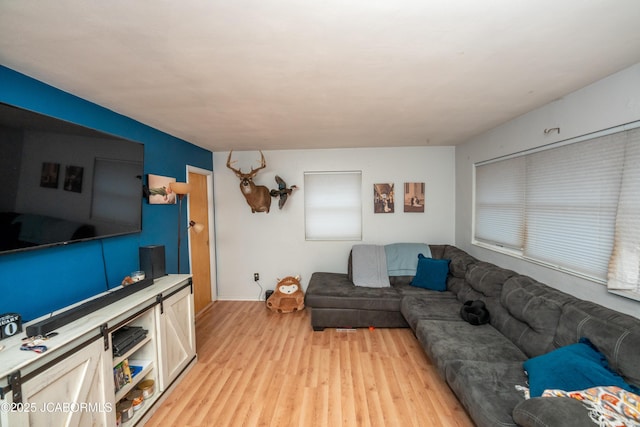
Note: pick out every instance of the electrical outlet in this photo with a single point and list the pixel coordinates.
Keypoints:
(256, 277)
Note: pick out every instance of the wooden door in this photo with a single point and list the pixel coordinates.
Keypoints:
(199, 242)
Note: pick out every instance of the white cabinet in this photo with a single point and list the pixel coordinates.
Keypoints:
(73, 383)
(177, 336)
(73, 392)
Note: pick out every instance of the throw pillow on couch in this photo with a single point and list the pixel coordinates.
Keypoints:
(431, 273)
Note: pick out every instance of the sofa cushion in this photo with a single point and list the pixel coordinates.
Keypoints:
(487, 279)
(400, 280)
(574, 367)
(335, 290)
(460, 260)
(441, 307)
(413, 291)
(483, 281)
(615, 334)
(437, 251)
(456, 284)
(431, 273)
(551, 412)
(528, 314)
(447, 340)
(487, 389)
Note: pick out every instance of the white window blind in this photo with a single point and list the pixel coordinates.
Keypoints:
(333, 205)
(500, 196)
(571, 199)
(574, 206)
(624, 266)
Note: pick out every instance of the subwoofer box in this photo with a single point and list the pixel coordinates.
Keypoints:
(152, 261)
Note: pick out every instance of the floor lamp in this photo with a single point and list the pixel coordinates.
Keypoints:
(180, 189)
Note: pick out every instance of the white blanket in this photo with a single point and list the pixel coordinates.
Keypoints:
(369, 264)
(608, 406)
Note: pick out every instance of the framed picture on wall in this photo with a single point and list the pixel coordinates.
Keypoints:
(49, 175)
(73, 178)
(159, 191)
(414, 197)
(383, 198)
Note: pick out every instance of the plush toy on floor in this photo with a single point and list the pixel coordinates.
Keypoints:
(287, 297)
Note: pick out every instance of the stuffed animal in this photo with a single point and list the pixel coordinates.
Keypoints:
(287, 297)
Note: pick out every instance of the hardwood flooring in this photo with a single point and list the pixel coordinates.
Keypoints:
(259, 368)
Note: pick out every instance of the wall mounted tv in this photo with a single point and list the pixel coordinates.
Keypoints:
(64, 183)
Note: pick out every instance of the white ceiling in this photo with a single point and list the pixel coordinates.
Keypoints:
(289, 74)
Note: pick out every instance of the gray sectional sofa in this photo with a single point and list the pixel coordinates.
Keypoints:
(484, 364)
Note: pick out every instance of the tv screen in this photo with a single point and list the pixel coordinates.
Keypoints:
(64, 183)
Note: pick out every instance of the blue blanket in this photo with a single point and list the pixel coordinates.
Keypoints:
(402, 258)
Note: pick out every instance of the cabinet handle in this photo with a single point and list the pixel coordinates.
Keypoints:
(104, 330)
(15, 381)
(159, 300)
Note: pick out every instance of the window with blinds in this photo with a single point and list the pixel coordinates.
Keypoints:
(574, 206)
(333, 205)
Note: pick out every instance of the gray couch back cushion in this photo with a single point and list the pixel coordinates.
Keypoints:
(437, 251)
(460, 260)
(528, 314)
(615, 334)
(456, 284)
(487, 279)
(483, 281)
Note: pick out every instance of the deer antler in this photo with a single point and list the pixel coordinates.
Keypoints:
(229, 162)
(263, 164)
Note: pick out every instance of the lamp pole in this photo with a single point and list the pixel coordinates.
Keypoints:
(180, 197)
(180, 189)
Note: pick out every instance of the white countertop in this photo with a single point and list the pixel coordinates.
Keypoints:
(72, 334)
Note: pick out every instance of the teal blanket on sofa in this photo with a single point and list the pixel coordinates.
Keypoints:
(402, 258)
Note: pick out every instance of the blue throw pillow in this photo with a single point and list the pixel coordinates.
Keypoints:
(431, 273)
(570, 368)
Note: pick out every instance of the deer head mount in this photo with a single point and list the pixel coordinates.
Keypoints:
(257, 196)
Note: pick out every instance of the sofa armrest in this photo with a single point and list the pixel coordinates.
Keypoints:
(551, 412)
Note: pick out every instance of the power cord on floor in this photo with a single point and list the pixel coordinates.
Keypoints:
(261, 290)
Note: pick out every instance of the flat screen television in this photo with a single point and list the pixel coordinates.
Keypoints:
(64, 183)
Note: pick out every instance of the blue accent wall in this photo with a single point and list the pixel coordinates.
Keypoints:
(36, 282)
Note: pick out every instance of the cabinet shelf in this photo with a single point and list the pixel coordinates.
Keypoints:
(131, 351)
(137, 415)
(147, 366)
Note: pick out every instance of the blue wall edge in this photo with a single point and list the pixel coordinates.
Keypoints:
(37, 282)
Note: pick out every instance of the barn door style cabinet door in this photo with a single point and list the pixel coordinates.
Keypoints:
(79, 381)
(177, 334)
(72, 392)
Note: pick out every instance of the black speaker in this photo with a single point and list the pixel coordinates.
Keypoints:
(268, 293)
(152, 261)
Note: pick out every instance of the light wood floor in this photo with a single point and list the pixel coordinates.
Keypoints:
(259, 368)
